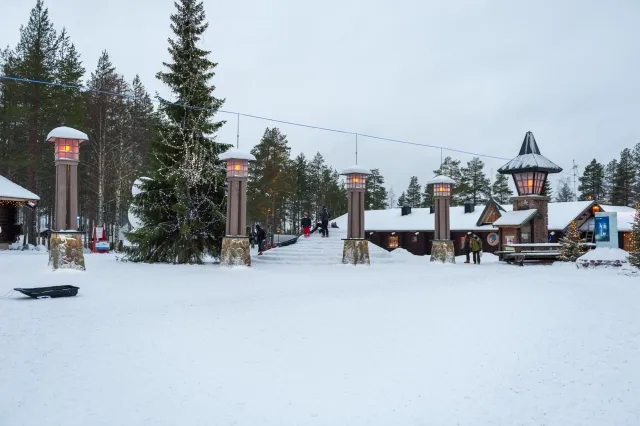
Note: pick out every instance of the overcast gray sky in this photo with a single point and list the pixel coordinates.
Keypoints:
(468, 75)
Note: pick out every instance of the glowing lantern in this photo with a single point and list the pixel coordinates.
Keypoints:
(237, 163)
(66, 143)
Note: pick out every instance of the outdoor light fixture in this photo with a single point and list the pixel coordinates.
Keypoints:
(530, 168)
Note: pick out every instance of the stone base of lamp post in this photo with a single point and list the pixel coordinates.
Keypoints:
(236, 251)
(355, 252)
(66, 251)
(443, 251)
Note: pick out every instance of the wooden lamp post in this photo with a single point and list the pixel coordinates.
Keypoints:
(66, 243)
(530, 170)
(236, 249)
(356, 247)
(442, 247)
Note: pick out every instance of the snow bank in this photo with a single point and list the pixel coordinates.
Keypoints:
(603, 257)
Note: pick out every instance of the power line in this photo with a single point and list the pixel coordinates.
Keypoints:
(238, 114)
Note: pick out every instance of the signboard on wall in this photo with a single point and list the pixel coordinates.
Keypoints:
(492, 239)
(606, 229)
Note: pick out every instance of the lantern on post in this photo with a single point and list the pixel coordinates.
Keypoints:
(66, 244)
(442, 247)
(530, 170)
(356, 247)
(235, 245)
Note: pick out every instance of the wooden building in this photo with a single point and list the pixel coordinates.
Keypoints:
(413, 229)
(13, 197)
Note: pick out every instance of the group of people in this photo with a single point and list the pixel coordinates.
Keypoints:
(323, 224)
(473, 244)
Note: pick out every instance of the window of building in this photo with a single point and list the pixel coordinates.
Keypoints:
(393, 242)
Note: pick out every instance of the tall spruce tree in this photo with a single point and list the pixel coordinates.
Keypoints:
(500, 189)
(267, 186)
(476, 187)
(592, 182)
(565, 193)
(182, 206)
(413, 195)
(375, 197)
(402, 200)
(624, 179)
(609, 180)
(547, 190)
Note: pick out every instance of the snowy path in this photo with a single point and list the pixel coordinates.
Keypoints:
(419, 344)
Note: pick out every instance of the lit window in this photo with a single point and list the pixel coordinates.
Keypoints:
(393, 242)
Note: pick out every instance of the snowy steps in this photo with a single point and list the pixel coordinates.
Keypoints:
(316, 250)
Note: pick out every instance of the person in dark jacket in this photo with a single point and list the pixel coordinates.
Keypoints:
(261, 236)
(476, 248)
(324, 217)
(306, 225)
(467, 247)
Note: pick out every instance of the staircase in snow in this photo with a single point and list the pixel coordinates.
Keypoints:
(316, 250)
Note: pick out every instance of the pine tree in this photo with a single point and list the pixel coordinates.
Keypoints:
(609, 180)
(500, 189)
(547, 191)
(375, 197)
(183, 206)
(592, 182)
(267, 186)
(475, 185)
(413, 196)
(451, 168)
(634, 255)
(572, 246)
(624, 179)
(565, 193)
(402, 200)
(427, 196)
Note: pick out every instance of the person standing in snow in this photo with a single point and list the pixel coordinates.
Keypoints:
(476, 247)
(467, 247)
(306, 225)
(261, 236)
(324, 217)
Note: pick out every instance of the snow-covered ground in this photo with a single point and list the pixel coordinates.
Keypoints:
(414, 343)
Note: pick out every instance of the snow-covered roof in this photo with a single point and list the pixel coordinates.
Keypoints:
(13, 191)
(561, 214)
(66, 133)
(356, 169)
(236, 154)
(441, 179)
(610, 209)
(420, 219)
(530, 159)
(516, 218)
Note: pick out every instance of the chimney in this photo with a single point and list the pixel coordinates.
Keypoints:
(432, 209)
(406, 210)
(469, 207)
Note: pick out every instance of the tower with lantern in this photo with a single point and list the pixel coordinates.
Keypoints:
(530, 170)
(356, 247)
(236, 249)
(442, 248)
(66, 242)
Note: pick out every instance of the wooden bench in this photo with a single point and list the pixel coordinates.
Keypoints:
(532, 255)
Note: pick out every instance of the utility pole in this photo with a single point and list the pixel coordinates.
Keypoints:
(575, 173)
(238, 133)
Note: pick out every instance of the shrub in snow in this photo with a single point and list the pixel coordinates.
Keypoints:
(572, 246)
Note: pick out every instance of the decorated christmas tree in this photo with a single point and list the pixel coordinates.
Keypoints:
(572, 246)
(182, 206)
(634, 255)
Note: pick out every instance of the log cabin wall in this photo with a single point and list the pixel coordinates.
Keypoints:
(8, 219)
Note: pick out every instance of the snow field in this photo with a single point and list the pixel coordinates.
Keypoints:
(411, 344)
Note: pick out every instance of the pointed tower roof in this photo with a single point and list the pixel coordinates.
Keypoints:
(530, 159)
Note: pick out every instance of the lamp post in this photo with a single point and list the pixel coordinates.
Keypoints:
(530, 170)
(356, 247)
(66, 244)
(442, 247)
(235, 245)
